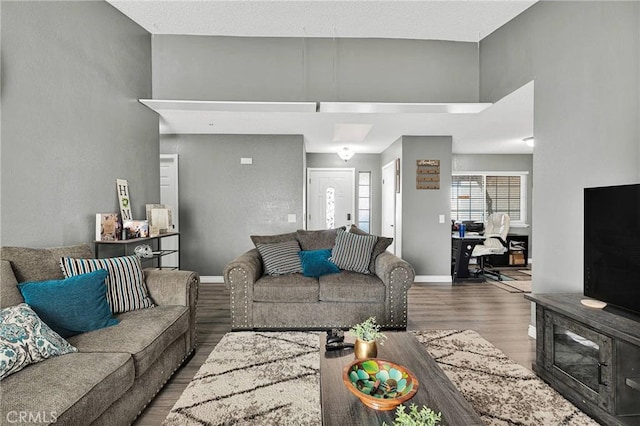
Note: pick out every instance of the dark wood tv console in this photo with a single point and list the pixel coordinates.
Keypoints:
(591, 356)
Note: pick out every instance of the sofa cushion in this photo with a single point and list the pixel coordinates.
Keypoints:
(40, 264)
(381, 246)
(25, 339)
(316, 263)
(280, 258)
(353, 252)
(9, 293)
(269, 239)
(350, 286)
(71, 306)
(316, 240)
(286, 289)
(126, 290)
(144, 334)
(74, 388)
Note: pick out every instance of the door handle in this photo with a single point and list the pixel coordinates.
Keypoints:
(600, 365)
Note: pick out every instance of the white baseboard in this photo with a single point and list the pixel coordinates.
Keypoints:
(532, 331)
(212, 279)
(441, 279)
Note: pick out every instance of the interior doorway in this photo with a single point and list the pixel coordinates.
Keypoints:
(388, 214)
(169, 197)
(330, 198)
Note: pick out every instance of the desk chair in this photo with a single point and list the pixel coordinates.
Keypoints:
(495, 242)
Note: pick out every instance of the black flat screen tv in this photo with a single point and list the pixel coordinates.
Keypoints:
(612, 245)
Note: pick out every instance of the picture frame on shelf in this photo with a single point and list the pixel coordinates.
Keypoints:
(133, 229)
(108, 227)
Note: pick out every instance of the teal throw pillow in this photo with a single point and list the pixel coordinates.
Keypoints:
(71, 306)
(25, 339)
(316, 263)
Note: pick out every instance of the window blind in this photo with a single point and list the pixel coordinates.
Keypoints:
(476, 196)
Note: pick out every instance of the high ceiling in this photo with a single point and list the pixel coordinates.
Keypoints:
(499, 128)
(457, 20)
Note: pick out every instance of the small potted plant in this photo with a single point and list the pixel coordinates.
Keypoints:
(425, 417)
(367, 333)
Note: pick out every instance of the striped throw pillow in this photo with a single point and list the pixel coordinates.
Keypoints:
(280, 258)
(352, 252)
(126, 290)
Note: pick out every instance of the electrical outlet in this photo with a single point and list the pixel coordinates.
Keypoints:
(291, 218)
(246, 160)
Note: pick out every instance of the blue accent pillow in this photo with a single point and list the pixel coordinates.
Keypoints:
(316, 263)
(71, 306)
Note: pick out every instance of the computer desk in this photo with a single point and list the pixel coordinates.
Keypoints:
(461, 249)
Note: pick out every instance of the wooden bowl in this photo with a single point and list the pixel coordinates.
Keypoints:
(395, 383)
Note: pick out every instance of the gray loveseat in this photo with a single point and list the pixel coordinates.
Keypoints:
(117, 370)
(336, 300)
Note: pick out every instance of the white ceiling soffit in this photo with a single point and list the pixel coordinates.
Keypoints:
(402, 108)
(456, 20)
(233, 106)
(494, 129)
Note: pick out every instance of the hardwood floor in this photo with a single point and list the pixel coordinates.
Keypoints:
(500, 317)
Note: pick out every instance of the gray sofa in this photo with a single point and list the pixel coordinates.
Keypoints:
(117, 369)
(338, 300)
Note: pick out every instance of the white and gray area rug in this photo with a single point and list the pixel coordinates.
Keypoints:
(253, 378)
(501, 391)
(273, 378)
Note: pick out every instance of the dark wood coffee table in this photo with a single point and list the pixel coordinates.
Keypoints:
(341, 407)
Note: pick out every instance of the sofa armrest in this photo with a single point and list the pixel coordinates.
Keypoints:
(171, 287)
(239, 276)
(397, 275)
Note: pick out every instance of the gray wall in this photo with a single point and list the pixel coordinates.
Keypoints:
(287, 69)
(71, 123)
(297, 69)
(426, 243)
(502, 163)
(585, 59)
(361, 163)
(223, 202)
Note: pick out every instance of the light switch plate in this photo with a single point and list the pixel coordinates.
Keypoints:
(441, 218)
(291, 218)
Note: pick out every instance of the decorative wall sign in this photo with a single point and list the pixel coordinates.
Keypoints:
(428, 174)
(122, 187)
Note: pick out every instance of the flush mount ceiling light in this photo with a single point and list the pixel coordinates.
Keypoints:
(529, 141)
(346, 154)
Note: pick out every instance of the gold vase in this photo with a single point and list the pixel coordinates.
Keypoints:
(363, 349)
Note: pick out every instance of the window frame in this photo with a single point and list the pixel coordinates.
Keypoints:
(523, 192)
(367, 227)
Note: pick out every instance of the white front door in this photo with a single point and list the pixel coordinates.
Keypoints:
(169, 197)
(330, 198)
(388, 216)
